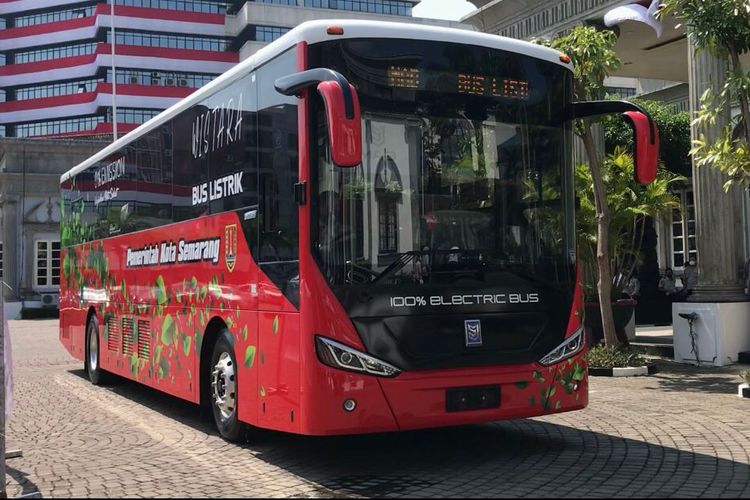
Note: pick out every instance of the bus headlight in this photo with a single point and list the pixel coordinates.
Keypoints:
(570, 347)
(338, 355)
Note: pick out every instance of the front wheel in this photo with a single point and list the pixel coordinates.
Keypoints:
(224, 390)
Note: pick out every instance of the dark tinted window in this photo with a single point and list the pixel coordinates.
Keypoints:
(277, 144)
(153, 157)
(190, 170)
(110, 193)
(232, 146)
(278, 252)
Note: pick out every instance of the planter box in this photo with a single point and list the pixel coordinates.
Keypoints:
(743, 391)
(634, 371)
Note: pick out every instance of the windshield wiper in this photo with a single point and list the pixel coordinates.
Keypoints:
(397, 265)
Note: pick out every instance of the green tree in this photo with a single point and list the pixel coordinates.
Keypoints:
(674, 135)
(593, 57)
(630, 204)
(723, 28)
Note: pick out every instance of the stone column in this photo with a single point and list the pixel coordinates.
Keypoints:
(10, 245)
(716, 211)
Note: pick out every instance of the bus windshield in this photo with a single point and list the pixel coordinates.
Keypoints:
(466, 180)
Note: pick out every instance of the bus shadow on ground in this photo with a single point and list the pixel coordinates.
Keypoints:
(526, 457)
(516, 458)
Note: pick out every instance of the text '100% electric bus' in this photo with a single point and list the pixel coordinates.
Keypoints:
(363, 227)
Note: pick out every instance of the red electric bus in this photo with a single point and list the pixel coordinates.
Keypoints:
(364, 227)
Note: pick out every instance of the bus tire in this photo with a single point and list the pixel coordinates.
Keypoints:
(92, 360)
(224, 394)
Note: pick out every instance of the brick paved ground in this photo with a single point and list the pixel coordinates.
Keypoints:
(681, 433)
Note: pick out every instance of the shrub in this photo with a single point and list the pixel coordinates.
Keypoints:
(745, 376)
(613, 357)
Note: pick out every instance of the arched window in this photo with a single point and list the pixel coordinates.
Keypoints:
(387, 178)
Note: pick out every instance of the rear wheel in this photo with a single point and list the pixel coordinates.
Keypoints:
(92, 362)
(224, 390)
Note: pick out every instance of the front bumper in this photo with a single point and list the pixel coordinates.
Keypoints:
(417, 400)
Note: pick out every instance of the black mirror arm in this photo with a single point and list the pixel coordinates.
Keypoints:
(586, 109)
(293, 85)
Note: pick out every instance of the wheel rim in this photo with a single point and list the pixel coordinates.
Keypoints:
(93, 348)
(223, 384)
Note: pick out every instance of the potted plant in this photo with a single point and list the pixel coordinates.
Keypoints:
(630, 205)
(743, 390)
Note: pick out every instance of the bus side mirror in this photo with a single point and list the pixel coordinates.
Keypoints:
(646, 134)
(342, 110)
(646, 146)
(344, 125)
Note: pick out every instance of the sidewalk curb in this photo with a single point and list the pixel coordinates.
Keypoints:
(633, 371)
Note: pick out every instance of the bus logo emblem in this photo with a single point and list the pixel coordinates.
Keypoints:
(230, 246)
(473, 329)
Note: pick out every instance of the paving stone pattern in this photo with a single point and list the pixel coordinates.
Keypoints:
(681, 433)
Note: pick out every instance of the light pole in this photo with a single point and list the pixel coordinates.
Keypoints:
(114, 74)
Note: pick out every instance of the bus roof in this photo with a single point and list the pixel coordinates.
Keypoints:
(314, 32)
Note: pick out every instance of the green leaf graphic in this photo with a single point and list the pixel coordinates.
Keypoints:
(186, 343)
(168, 330)
(134, 364)
(262, 392)
(538, 376)
(215, 290)
(244, 333)
(275, 325)
(194, 283)
(161, 291)
(198, 340)
(163, 368)
(522, 384)
(176, 338)
(249, 356)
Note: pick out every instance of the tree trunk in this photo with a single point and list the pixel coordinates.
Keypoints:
(603, 217)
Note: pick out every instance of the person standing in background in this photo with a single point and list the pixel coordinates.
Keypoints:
(690, 277)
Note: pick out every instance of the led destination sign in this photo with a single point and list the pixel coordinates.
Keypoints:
(459, 83)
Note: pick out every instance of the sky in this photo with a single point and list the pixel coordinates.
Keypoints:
(452, 10)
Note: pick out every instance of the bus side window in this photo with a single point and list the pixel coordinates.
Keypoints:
(278, 164)
(90, 226)
(278, 250)
(190, 167)
(233, 157)
(153, 153)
